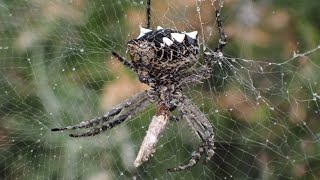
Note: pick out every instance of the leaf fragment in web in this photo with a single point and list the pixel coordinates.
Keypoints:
(156, 127)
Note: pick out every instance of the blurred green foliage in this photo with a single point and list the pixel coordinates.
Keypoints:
(55, 66)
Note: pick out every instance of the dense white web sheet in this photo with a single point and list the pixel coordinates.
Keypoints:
(56, 70)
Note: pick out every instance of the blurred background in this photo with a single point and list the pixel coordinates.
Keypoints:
(56, 70)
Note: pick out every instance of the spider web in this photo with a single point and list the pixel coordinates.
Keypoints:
(57, 70)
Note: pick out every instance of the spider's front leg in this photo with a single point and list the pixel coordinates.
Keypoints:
(120, 113)
(123, 60)
(222, 35)
(201, 125)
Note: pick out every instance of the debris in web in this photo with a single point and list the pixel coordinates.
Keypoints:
(156, 127)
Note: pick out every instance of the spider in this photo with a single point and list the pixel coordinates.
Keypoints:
(164, 59)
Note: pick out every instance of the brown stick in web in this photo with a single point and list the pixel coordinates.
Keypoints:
(156, 127)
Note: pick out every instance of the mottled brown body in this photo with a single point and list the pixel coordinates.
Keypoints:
(160, 64)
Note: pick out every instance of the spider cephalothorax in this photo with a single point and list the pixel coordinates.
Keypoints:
(162, 58)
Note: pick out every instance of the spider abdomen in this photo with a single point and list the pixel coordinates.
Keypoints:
(158, 54)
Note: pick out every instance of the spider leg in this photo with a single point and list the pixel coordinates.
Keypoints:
(148, 13)
(115, 111)
(95, 131)
(223, 36)
(193, 161)
(196, 76)
(201, 125)
(136, 108)
(123, 60)
(204, 72)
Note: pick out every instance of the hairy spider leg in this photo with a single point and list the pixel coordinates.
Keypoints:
(196, 76)
(135, 109)
(204, 72)
(223, 36)
(193, 161)
(115, 111)
(201, 125)
(123, 60)
(148, 13)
